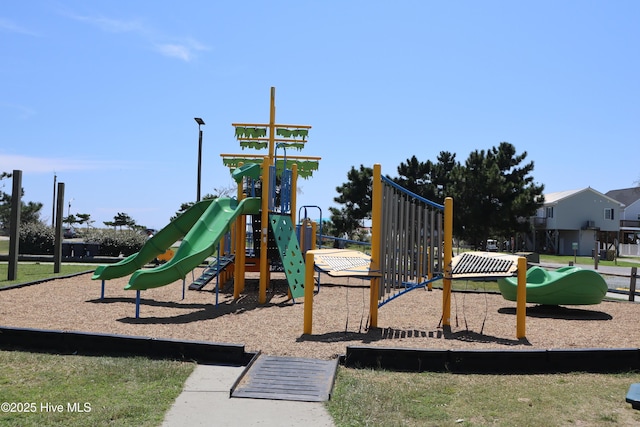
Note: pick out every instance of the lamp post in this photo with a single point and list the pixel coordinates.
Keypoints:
(200, 123)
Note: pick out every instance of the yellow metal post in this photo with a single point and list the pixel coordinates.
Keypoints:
(521, 299)
(376, 239)
(264, 222)
(272, 124)
(308, 293)
(314, 230)
(294, 185)
(238, 267)
(447, 255)
(303, 240)
(264, 234)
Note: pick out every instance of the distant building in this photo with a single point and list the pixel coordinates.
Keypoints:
(575, 220)
(629, 236)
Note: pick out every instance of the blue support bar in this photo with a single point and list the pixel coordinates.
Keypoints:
(218, 275)
(409, 287)
(137, 304)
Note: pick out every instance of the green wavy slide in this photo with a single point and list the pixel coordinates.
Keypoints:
(156, 245)
(199, 243)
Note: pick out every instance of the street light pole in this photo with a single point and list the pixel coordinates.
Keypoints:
(200, 123)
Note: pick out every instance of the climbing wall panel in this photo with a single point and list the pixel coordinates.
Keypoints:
(290, 254)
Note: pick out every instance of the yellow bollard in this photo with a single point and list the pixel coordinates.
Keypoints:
(308, 293)
(521, 299)
(448, 248)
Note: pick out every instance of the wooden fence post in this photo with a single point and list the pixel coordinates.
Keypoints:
(632, 284)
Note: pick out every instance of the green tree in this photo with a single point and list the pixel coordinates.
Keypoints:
(217, 192)
(494, 194)
(29, 212)
(185, 206)
(70, 220)
(121, 220)
(85, 219)
(355, 196)
(433, 181)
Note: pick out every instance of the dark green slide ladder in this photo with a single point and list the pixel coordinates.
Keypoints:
(290, 254)
(211, 271)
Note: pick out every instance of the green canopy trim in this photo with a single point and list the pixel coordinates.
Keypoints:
(250, 132)
(305, 167)
(296, 145)
(258, 145)
(293, 133)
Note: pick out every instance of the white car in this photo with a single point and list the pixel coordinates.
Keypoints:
(492, 245)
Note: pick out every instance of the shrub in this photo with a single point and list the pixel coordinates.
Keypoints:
(36, 238)
(116, 242)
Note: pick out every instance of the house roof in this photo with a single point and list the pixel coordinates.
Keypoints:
(627, 196)
(553, 198)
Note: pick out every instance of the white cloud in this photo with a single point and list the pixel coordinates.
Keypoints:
(11, 27)
(184, 50)
(48, 165)
(175, 51)
(112, 25)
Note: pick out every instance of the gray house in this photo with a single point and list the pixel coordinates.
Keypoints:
(629, 220)
(577, 221)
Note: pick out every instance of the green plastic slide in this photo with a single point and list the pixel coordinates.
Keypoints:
(199, 243)
(564, 286)
(155, 246)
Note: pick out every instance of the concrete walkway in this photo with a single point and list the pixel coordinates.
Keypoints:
(205, 401)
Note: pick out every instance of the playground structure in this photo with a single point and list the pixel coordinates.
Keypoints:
(411, 247)
(220, 225)
(411, 236)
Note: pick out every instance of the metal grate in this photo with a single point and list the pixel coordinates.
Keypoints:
(338, 263)
(287, 378)
(483, 265)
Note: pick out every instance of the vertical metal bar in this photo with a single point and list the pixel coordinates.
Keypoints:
(14, 226)
(441, 267)
(137, 304)
(419, 243)
(412, 240)
(386, 236)
(400, 245)
(393, 243)
(405, 240)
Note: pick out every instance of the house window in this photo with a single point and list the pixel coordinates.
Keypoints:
(550, 212)
(608, 213)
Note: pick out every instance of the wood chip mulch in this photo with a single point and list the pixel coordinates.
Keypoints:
(340, 317)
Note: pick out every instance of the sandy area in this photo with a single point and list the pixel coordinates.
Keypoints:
(479, 321)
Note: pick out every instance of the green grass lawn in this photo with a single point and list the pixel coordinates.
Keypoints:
(364, 397)
(4, 247)
(87, 391)
(139, 391)
(30, 272)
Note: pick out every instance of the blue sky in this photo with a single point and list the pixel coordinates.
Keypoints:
(103, 94)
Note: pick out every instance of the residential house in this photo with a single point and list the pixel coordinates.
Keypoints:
(577, 222)
(629, 237)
